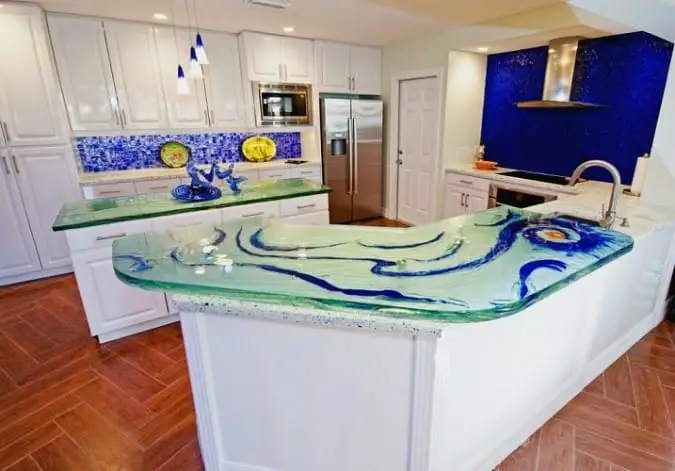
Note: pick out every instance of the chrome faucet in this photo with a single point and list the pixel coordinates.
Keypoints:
(609, 216)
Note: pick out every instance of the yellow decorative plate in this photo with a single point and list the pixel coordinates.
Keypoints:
(259, 149)
(174, 154)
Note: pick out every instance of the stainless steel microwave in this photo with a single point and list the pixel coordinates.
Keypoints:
(280, 104)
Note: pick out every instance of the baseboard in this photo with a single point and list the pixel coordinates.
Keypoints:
(36, 275)
(137, 328)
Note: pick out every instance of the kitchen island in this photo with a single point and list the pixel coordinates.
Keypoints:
(434, 348)
(116, 310)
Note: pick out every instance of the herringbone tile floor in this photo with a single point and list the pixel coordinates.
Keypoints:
(68, 404)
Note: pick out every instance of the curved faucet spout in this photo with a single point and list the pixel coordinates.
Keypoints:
(610, 215)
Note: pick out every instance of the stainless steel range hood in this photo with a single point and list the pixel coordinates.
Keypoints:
(562, 58)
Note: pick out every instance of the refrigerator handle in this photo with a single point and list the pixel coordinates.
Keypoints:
(355, 169)
(350, 156)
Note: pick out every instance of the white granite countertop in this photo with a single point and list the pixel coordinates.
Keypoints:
(150, 174)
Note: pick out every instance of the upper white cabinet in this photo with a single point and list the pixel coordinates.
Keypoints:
(223, 80)
(271, 58)
(84, 69)
(31, 109)
(136, 70)
(184, 111)
(348, 69)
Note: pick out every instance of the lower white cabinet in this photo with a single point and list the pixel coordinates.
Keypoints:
(475, 202)
(310, 219)
(459, 200)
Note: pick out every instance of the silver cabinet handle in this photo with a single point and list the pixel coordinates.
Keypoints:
(206, 117)
(466, 182)
(250, 215)
(212, 116)
(109, 192)
(124, 118)
(350, 157)
(163, 187)
(356, 158)
(5, 131)
(307, 206)
(117, 117)
(308, 172)
(14, 164)
(278, 175)
(465, 199)
(353, 83)
(4, 164)
(114, 236)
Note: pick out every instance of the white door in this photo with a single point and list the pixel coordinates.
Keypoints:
(84, 68)
(30, 101)
(263, 57)
(18, 254)
(297, 57)
(454, 202)
(47, 179)
(366, 66)
(133, 55)
(109, 303)
(418, 149)
(184, 111)
(224, 89)
(476, 202)
(332, 63)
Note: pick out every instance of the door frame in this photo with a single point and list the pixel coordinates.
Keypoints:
(391, 211)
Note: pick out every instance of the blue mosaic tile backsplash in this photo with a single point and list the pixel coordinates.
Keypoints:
(111, 153)
(625, 73)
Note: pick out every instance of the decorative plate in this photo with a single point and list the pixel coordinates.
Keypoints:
(259, 149)
(192, 194)
(174, 154)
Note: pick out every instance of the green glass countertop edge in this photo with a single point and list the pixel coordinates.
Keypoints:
(62, 224)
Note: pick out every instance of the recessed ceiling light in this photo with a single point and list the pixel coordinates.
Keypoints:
(288, 29)
(160, 16)
(483, 49)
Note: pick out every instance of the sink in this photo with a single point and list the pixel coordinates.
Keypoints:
(571, 217)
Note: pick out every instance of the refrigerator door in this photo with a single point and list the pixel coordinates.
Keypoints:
(368, 158)
(337, 155)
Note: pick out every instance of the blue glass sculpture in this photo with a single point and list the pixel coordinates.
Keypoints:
(201, 187)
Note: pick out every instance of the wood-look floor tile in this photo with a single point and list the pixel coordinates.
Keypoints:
(97, 437)
(651, 403)
(161, 339)
(597, 386)
(67, 310)
(170, 444)
(556, 446)
(653, 338)
(7, 384)
(29, 443)
(669, 394)
(524, 458)
(164, 400)
(188, 458)
(157, 427)
(26, 464)
(600, 405)
(128, 378)
(53, 327)
(14, 361)
(618, 382)
(653, 356)
(174, 372)
(115, 405)
(142, 356)
(667, 379)
(63, 454)
(177, 354)
(30, 340)
(617, 453)
(584, 462)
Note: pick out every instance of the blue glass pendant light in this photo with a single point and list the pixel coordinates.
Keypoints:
(195, 69)
(182, 87)
(201, 52)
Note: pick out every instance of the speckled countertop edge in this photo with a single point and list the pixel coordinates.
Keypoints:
(349, 319)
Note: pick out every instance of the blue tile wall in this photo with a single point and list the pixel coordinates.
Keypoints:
(625, 73)
(110, 153)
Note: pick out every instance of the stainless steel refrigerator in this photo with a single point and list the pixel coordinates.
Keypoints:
(352, 156)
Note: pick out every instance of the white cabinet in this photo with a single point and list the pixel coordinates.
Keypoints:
(31, 109)
(18, 254)
(465, 195)
(271, 58)
(223, 81)
(454, 201)
(135, 66)
(157, 186)
(274, 174)
(184, 111)
(47, 179)
(308, 171)
(84, 69)
(348, 68)
(309, 219)
(476, 201)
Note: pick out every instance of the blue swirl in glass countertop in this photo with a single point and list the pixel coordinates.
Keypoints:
(472, 268)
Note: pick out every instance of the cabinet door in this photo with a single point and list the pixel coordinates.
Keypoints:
(133, 55)
(84, 68)
(30, 101)
(224, 89)
(183, 111)
(47, 179)
(476, 202)
(297, 57)
(18, 254)
(109, 303)
(263, 57)
(332, 67)
(366, 63)
(454, 202)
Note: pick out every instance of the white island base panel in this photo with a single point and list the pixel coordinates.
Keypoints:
(286, 395)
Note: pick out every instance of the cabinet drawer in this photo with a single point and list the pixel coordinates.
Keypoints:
(312, 172)
(212, 217)
(304, 204)
(157, 186)
(274, 174)
(103, 236)
(270, 208)
(309, 219)
(109, 190)
(465, 181)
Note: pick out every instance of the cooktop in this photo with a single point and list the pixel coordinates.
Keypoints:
(540, 177)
